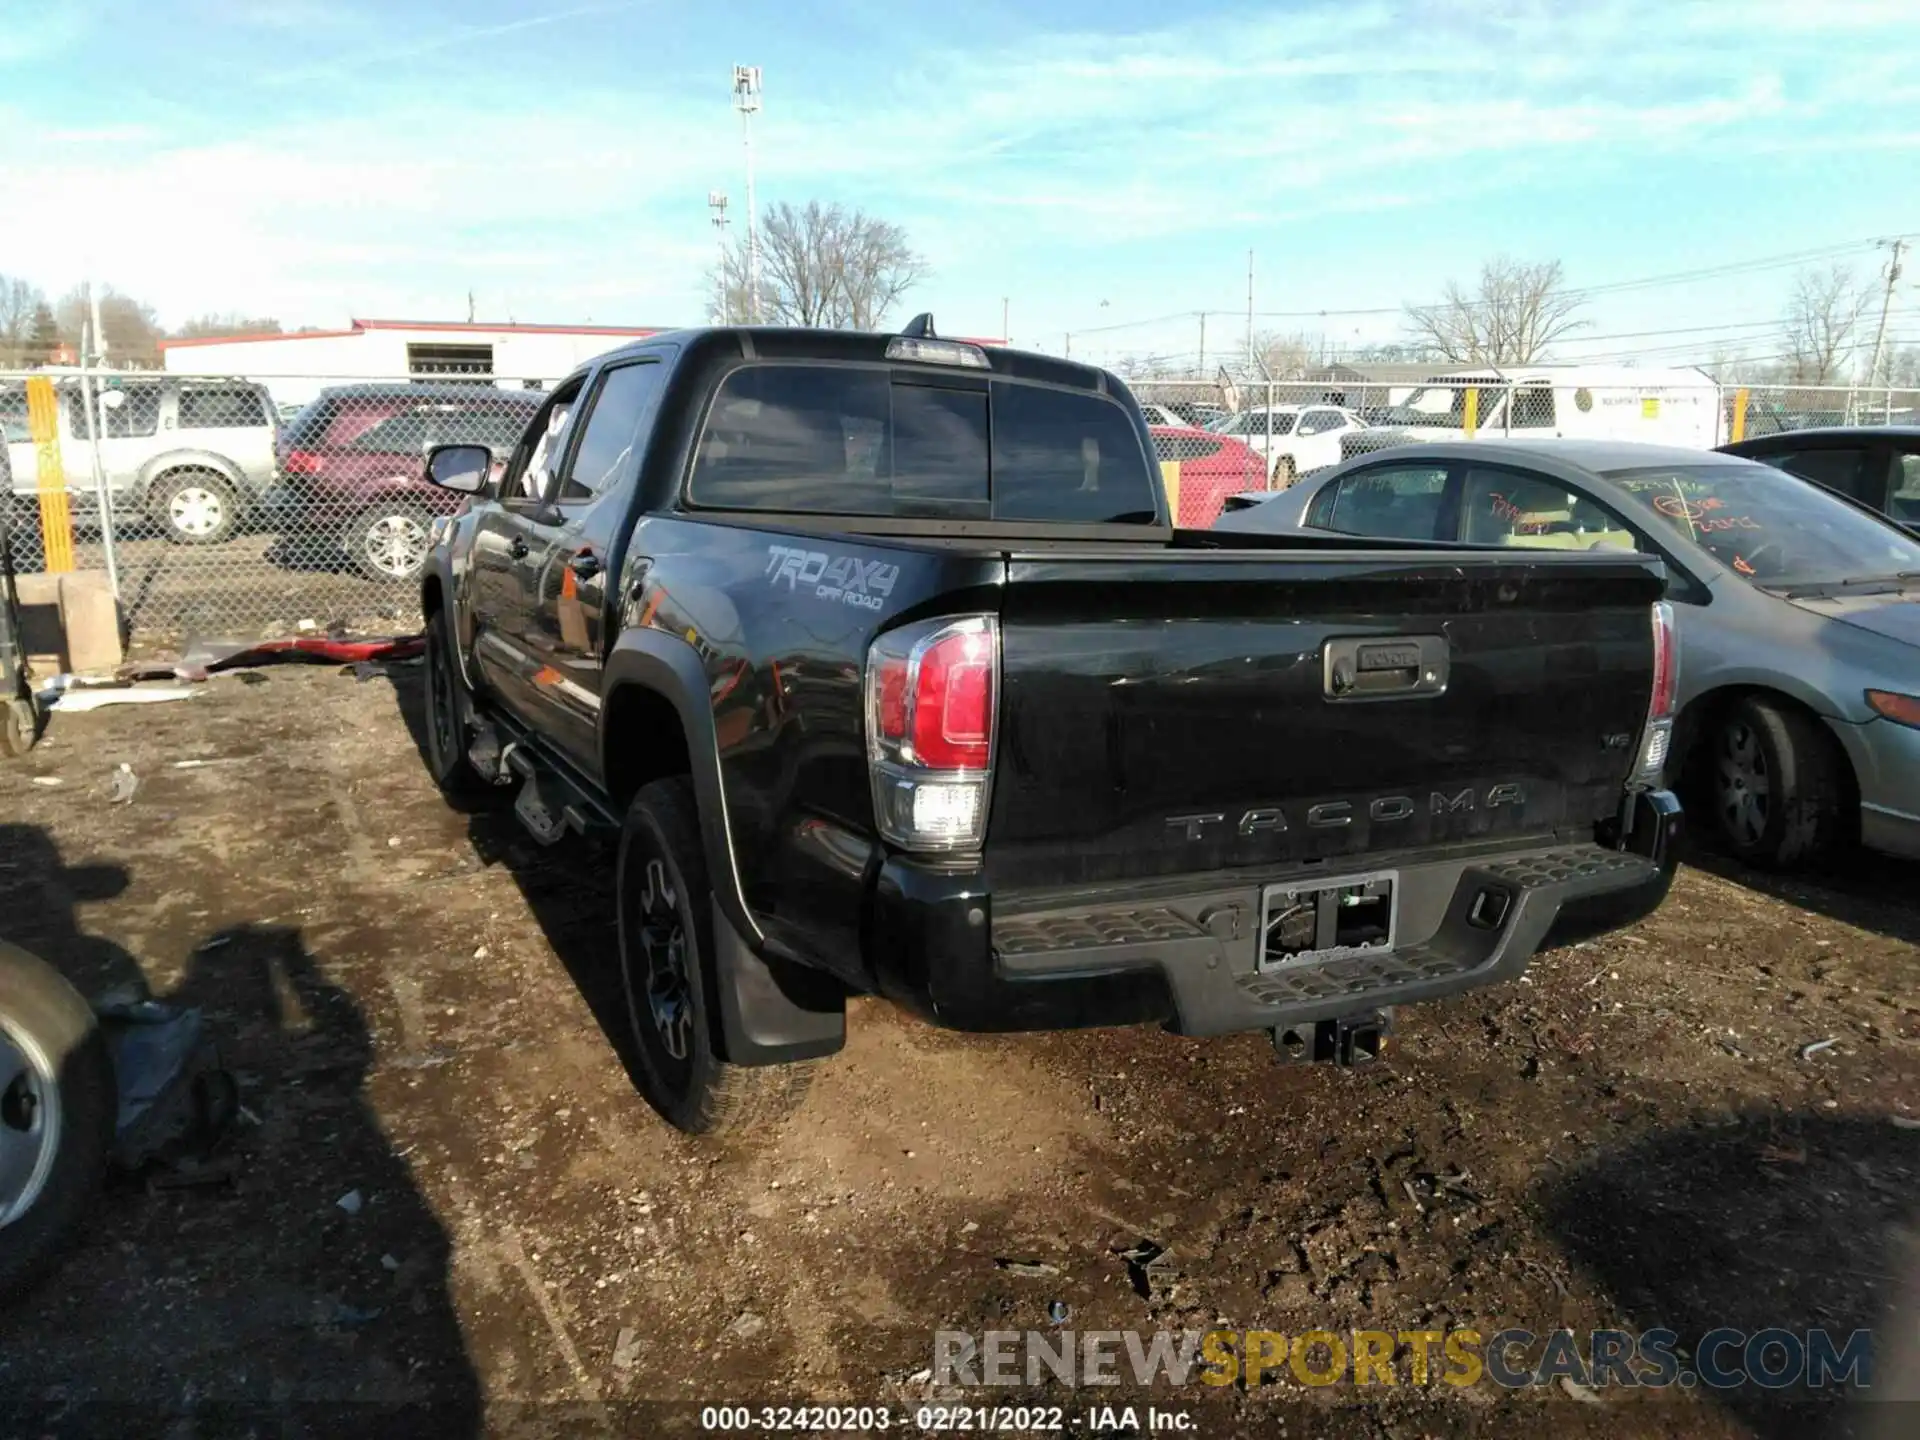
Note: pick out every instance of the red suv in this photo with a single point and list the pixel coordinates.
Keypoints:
(351, 464)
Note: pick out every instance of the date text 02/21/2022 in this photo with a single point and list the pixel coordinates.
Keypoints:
(975, 1419)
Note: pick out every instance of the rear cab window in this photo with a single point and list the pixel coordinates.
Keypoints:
(872, 440)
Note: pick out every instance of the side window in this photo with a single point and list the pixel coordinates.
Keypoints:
(136, 415)
(407, 433)
(1837, 469)
(1903, 489)
(220, 409)
(1533, 407)
(1319, 422)
(530, 473)
(1395, 502)
(13, 417)
(1533, 512)
(612, 426)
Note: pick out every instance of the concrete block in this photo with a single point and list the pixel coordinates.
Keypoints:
(90, 616)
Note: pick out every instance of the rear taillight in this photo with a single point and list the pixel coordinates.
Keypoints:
(930, 692)
(303, 462)
(1658, 735)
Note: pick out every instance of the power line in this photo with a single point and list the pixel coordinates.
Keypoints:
(1613, 287)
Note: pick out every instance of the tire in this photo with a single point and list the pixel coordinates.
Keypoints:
(666, 958)
(194, 507)
(1777, 785)
(19, 726)
(1283, 475)
(58, 1105)
(445, 732)
(388, 541)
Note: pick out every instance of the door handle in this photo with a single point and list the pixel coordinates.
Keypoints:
(585, 564)
(518, 548)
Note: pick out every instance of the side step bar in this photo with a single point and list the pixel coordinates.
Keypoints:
(551, 803)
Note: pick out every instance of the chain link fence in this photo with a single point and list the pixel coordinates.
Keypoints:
(265, 506)
(245, 508)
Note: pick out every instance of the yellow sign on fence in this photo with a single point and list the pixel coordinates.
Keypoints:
(1170, 482)
(56, 518)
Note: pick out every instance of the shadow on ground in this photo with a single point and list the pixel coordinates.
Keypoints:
(1857, 887)
(1758, 1221)
(569, 887)
(258, 1297)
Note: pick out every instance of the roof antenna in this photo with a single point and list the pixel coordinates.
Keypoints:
(920, 327)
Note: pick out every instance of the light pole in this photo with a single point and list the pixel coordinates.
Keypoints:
(746, 99)
(717, 203)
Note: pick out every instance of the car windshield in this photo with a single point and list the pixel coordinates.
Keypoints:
(1771, 527)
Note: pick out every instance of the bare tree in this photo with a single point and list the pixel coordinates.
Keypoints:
(1514, 315)
(18, 303)
(1822, 315)
(820, 265)
(132, 331)
(232, 322)
(1289, 356)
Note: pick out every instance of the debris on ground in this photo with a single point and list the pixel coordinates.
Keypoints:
(77, 699)
(202, 658)
(176, 1101)
(122, 785)
(746, 1326)
(1033, 1269)
(351, 1202)
(1580, 1392)
(1814, 1047)
(626, 1349)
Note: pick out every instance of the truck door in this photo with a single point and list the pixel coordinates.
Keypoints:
(569, 541)
(502, 540)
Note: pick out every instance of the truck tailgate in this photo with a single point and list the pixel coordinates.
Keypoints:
(1166, 714)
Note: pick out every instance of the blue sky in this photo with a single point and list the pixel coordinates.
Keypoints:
(1094, 163)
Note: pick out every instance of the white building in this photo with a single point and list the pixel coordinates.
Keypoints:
(296, 367)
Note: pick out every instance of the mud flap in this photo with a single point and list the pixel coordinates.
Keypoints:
(772, 1012)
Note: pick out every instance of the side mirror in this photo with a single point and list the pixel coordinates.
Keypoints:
(463, 469)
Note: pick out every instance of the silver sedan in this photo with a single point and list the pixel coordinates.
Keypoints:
(1798, 613)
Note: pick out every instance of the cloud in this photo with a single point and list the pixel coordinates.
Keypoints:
(1049, 148)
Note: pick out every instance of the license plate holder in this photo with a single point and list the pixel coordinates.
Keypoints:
(1312, 919)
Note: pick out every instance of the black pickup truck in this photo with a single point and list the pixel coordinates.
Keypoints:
(883, 658)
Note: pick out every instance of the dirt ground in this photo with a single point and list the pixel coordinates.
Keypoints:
(421, 1009)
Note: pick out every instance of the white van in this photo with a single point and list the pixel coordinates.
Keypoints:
(1612, 402)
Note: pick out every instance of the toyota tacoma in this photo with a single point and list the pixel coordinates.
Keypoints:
(884, 661)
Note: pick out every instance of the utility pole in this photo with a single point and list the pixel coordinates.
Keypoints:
(717, 204)
(1069, 344)
(1886, 305)
(1201, 369)
(1249, 312)
(1005, 338)
(746, 99)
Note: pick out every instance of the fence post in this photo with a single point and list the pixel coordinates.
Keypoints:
(1472, 415)
(1737, 426)
(92, 398)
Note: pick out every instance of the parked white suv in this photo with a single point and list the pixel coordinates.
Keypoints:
(1295, 439)
(192, 456)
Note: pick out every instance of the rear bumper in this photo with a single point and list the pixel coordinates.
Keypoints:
(1188, 959)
